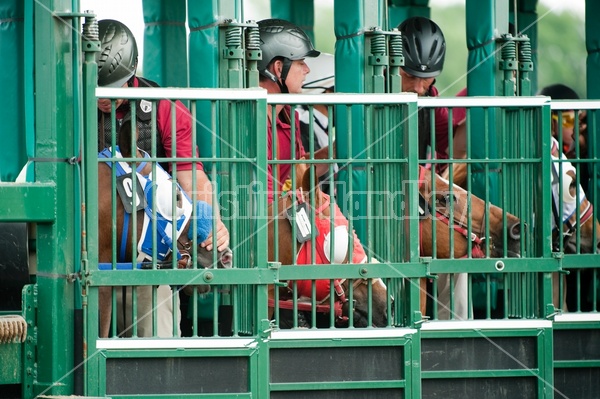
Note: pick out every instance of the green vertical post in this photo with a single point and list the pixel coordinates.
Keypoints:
(399, 10)
(592, 42)
(484, 79)
(165, 42)
(28, 86)
(350, 17)
(12, 81)
(89, 249)
(204, 60)
(55, 241)
(526, 20)
(300, 12)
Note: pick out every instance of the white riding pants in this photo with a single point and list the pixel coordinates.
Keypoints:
(461, 296)
(164, 312)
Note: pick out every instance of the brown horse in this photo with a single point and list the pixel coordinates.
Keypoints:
(565, 225)
(358, 304)
(107, 230)
(436, 192)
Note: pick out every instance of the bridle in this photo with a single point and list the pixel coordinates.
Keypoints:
(570, 224)
(325, 305)
(477, 240)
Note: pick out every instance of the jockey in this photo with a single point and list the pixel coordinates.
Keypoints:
(282, 69)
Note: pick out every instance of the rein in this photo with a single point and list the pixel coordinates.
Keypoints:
(340, 295)
(321, 307)
(568, 228)
(477, 241)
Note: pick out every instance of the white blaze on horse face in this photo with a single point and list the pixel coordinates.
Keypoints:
(340, 251)
(566, 187)
(569, 203)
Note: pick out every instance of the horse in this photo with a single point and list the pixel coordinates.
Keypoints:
(565, 223)
(343, 305)
(564, 214)
(107, 229)
(435, 192)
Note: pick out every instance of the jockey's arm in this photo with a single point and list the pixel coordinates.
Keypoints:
(204, 192)
(460, 141)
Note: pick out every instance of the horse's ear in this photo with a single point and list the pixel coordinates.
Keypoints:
(323, 153)
(124, 139)
(307, 185)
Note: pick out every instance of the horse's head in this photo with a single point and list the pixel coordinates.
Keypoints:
(206, 260)
(575, 218)
(360, 308)
(443, 196)
(307, 190)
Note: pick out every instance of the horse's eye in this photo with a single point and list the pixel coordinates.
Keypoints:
(444, 200)
(573, 186)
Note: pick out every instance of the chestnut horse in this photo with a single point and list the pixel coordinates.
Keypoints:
(566, 217)
(106, 232)
(362, 316)
(436, 193)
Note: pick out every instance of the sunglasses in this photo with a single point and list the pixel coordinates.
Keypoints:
(568, 120)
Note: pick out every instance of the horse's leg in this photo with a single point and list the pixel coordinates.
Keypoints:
(105, 304)
(423, 295)
(555, 291)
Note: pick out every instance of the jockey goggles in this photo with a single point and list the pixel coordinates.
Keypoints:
(568, 120)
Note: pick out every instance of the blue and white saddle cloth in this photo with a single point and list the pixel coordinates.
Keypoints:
(160, 188)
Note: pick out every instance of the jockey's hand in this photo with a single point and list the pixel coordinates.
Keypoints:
(222, 238)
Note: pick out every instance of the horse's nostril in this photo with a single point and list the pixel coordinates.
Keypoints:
(515, 231)
(226, 259)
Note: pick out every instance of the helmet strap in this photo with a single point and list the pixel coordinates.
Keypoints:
(287, 64)
(282, 86)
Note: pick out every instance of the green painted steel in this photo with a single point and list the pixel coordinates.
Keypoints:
(592, 40)
(524, 360)
(300, 12)
(298, 383)
(165, 42)
(511, 138)
(526, 18)
(350, 17)
(399, 10)
(55, 241)
(13, 83)
(483, 78)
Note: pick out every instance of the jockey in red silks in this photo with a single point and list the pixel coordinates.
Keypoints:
(323, 250)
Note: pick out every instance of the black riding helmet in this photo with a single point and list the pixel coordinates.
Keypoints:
(424, 47)
(117, 59)
(282, 39)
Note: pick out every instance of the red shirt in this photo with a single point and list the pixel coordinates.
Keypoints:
(284, 142)
(305, 255)
(441, 123)
(185, 147)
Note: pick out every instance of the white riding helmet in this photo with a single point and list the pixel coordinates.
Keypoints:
(322, 74)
